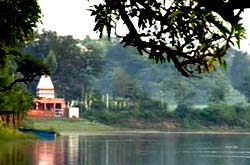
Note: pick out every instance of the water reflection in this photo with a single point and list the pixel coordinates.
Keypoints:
(48, 152)
(13, 154)
(136, 149)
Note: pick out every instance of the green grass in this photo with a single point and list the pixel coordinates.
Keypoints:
(65, 124)
(10, 134)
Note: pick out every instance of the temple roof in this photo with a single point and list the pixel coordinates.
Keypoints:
(45, 83)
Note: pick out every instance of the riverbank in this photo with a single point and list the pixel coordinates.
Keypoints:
(10, 134)
(66, 124)
(145, 132)
(84, 127)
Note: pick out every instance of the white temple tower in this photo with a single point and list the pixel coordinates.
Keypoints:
(45, 88)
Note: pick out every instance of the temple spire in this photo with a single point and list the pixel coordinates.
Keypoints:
(45, 88)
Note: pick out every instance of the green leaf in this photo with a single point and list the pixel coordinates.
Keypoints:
(173, 15)
(212, 19)
(240, 33)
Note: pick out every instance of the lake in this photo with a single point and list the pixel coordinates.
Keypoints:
(131, 149)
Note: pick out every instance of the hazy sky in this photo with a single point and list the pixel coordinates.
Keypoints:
(70, 17)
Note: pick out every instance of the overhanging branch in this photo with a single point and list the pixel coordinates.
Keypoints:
(21, 80)
(233, 4)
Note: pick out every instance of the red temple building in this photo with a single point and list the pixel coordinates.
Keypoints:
(45, 103)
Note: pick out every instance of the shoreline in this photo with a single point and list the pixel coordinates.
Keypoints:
(130, 132)
(85, 128)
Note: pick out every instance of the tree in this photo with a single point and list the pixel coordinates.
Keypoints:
(26, 69)
(219, 90)
(14, 101)
(18, 20)
(183, 94)
(127, 87)
(193, 34)
(74, 64)
(241, 82)
(51, 61)
(121, 84)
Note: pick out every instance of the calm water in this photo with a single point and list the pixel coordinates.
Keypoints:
(133, 149)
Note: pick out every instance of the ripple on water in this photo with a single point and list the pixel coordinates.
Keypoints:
(229, 151)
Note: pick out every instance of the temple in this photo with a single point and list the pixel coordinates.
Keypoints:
(46, 105)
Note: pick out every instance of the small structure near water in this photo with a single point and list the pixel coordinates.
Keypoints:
(73, 112)
(46, 105)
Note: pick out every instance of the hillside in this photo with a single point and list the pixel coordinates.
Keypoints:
(92, 68)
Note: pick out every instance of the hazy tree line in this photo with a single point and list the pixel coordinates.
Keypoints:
(87, 70)
(105, 66)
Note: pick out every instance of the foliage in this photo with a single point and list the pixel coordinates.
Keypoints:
(111, 68)
(219, 88)
(127, 87)
(121, 84)
(239, 73)
(8, 134)
(190, 33)
(114, 117)
(122, 74)
(51, 61)
(215, 115)
(186, 116)
(16, 99)
(18, 20)
(183, 95)
(74, 66)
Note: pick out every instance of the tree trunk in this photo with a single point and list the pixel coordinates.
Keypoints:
(13, 120)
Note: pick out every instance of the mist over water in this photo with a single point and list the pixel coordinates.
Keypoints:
(131, 149)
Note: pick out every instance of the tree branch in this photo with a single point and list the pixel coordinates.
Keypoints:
(9, 87)
(233, 4)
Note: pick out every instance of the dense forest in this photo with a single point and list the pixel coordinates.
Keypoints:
(102, 74)
(106, 67)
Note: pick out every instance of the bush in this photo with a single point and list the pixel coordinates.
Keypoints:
(220, 114)
(183, 111)
(104, 116)
(9, 134)
(215, 115)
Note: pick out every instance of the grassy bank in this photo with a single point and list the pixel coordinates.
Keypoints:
(66, 124)
(9, 134)
(84, 125)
